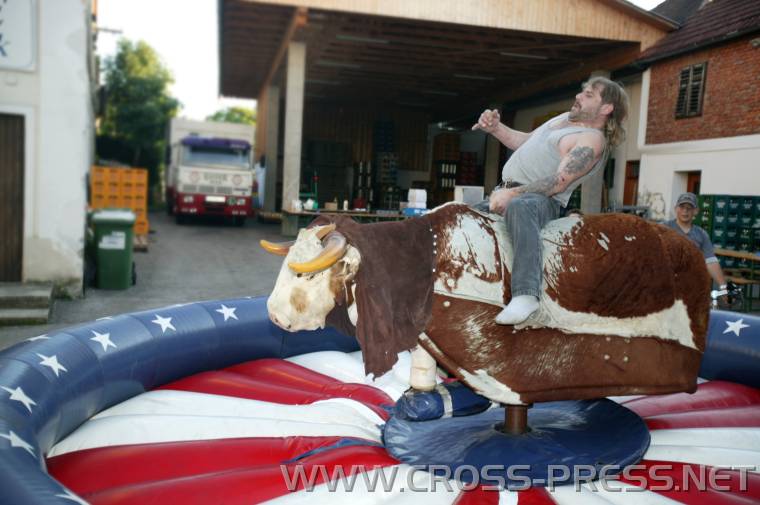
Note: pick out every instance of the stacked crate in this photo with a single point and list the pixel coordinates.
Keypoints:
(386, 191)
(733, 222)
(705, 211)
(445, 167)
(363, 191)
(121, 188)
(469, 173)
(386, 176)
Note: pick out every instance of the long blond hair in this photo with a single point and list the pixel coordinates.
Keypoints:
(614, 94)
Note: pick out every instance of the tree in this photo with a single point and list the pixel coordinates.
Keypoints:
(138, 107)
(234, 115)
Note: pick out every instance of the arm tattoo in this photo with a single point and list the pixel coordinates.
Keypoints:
(545, 186)
(580, 157)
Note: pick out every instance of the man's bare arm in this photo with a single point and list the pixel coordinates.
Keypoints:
(574, 165)
(509, 137)
(716, 273)
(490, 122)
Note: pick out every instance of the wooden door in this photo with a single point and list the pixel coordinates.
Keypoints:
(11, 196)
(693, 180)
(631, 186)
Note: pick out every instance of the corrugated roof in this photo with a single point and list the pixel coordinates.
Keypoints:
(715, 21)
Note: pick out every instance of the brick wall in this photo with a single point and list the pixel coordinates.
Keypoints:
(731, 104)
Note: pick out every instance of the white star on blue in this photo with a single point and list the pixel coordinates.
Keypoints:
(164, 322)
(228, 312)
(18, 395)
(735, 326)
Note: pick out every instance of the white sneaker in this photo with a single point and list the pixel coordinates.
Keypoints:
(518, 310)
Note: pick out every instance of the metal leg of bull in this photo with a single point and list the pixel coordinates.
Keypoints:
(422, 376)
(515, 419)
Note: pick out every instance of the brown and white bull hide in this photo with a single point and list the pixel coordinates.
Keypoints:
(624, 305)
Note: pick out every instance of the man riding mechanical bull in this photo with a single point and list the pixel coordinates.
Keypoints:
(596, 306)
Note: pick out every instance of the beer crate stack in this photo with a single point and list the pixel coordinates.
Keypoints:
(445, 167)
(386, 174)
(123, 188)
(469, 173)
(363, 191)
(386, 194)
(733, 222)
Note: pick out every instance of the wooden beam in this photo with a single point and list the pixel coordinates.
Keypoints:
(610, 19)
(297, 21)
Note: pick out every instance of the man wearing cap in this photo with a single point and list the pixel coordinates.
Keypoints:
(686, 209)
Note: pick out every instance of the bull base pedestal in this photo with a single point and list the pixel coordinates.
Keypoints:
(565, 441)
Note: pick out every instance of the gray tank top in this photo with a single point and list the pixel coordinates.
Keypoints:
(539, 158)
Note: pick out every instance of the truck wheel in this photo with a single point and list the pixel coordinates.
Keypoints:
(134, 273)
(239, 221)
(180, 218)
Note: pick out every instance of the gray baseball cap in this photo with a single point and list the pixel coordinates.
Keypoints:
(689, 198)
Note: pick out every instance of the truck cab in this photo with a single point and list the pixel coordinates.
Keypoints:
(210, 176)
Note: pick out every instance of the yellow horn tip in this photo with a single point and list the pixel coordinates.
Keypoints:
(280, 249)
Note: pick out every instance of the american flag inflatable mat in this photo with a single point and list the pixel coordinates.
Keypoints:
(210, 403)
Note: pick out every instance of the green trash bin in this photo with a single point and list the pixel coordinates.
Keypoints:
(113, 243)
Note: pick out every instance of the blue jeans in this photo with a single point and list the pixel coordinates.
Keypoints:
(525, 217)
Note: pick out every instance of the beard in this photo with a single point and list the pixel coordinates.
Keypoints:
(579, 114)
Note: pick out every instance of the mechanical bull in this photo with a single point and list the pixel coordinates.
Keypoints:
(624, 307)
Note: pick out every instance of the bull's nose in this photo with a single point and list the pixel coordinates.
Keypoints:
(279, 323)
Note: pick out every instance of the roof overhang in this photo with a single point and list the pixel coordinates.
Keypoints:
(422, 58)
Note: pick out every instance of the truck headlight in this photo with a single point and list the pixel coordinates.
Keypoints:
(188, 199)
(241, 201)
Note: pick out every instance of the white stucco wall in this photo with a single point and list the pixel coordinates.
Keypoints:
(55, 98)
(728, 166)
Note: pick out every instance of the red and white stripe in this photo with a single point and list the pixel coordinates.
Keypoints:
(220, 437)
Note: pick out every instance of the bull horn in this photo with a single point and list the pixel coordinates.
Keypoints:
(282, 248)
(278, 248)
(333, 250)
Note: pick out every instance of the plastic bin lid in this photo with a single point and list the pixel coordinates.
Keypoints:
(125, 216)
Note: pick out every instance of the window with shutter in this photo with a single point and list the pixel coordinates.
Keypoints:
(691, 90)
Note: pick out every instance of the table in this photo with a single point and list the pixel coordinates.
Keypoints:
(294, 221)
(747, 278)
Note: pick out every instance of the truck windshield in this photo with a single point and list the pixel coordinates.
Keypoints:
(215, 156)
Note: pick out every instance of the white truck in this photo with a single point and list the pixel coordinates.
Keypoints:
(209, 171)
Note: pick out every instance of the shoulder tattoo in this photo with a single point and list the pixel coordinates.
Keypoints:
(580, 158)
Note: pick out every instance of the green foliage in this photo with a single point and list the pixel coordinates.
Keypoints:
(234, 115)
(138, 106)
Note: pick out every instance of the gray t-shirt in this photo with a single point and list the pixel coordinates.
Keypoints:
(699, 237)
(539, 158)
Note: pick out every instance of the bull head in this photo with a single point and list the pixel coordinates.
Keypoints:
(318, 269)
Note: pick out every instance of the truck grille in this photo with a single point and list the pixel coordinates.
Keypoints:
(213, 190)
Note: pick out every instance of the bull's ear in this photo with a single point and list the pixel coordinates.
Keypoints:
(280, 249)
(333, 250)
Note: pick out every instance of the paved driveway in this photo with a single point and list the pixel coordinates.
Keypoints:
(200, 261)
